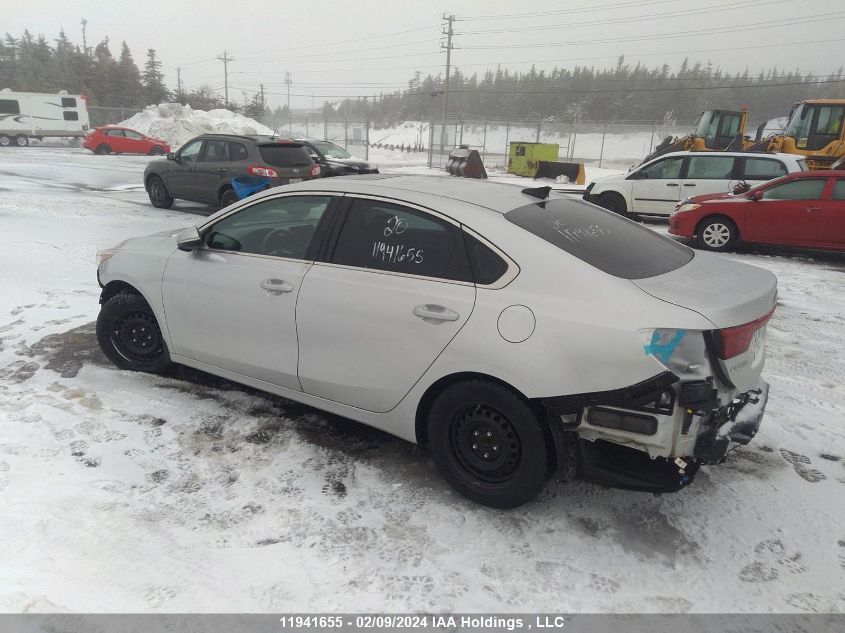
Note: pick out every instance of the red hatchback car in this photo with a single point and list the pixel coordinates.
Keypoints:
(802, 209)
(120, 140)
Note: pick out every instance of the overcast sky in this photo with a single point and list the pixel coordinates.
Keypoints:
(336, 48)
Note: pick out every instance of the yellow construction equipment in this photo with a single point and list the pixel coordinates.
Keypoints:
(816, 129)
(715, 130)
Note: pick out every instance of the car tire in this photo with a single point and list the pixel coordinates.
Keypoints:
(159, 197)
(102, 149)
(129, 334)
(21, 140)
(716, 234)
(227, 197)
(613, 201)
(5, 140)
(488, 443)
(157, 150)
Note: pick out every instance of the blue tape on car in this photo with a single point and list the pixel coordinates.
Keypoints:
(663, 351)
(245, 186)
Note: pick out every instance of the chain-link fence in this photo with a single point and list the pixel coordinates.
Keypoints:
(352, 135)
(104, 115)
(611, 144)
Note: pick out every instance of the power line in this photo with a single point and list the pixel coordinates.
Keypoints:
(359, 39)
(730, 6)
(822, 17)
(590, 8)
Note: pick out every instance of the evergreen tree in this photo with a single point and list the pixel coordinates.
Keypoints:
(128, 81)
(154, 90)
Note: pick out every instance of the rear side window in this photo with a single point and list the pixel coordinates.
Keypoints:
(804, 189)
(284, 155)
(487, 266)
(237, 151)
(216, 151)
(710, 167)
(70, 116)
(763, 169)
(114, 132)
(839, 190)
(385, 236)
(9, 106)
(68, 102)
(602, 239)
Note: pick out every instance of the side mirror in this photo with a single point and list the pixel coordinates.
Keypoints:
(189, 239)
(171, 156)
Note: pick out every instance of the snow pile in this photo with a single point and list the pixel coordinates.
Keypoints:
(177, 124)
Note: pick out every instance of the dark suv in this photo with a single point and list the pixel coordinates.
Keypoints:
(336, 161)
(203, 169)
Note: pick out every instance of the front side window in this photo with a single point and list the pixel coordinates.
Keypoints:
(386, 236)
(190, 152)
(710, 167)
(663, 169)
(279, 227)
(839, 190)
(132, 134)
(9, 106)
(601, 238)
(216, 151)
(804, 189)
(763, 169)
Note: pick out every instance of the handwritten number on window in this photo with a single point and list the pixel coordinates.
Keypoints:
(395, 226)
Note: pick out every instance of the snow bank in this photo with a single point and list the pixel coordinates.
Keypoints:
(177, 124)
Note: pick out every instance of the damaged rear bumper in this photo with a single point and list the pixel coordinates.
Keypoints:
(704, 431)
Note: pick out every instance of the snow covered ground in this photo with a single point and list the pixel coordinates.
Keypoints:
(126, 492)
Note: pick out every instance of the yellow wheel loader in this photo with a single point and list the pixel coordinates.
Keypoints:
(816, 129)
(715, 130)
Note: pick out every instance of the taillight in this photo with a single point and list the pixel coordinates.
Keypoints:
(733, 341)
(315, 170)
(254, 170)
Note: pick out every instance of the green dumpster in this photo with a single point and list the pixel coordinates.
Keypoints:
(524, 158)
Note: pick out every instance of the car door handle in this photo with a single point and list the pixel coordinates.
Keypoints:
(222, 170)
(672, 184)
(276, 286)
(689, 184)
(435, 314)
(811, 209)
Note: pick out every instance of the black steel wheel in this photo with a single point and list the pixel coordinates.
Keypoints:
(129, 334)
(158, 193)
(103, 149)
(613, 202)
(228, 197)
(488, 443)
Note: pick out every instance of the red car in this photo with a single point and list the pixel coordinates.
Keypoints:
(120, 140)
(801, 209)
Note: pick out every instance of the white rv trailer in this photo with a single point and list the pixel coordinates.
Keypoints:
(25, 115)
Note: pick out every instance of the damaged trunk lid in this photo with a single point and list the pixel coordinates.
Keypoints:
(736, 298)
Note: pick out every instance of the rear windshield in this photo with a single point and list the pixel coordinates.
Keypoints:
(602, 239)
(284, 155)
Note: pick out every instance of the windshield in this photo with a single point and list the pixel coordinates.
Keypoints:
(708, 121)
(331, 150)
(799, 123)
(603, 239)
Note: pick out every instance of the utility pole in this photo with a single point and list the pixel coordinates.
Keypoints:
(262, 94)
(448, 32)
(287, 81)
(225, 59)
(179, 81)
(84, 24)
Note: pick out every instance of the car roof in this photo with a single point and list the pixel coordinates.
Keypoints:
(496, 196)
(257, 138)
(733, 154)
